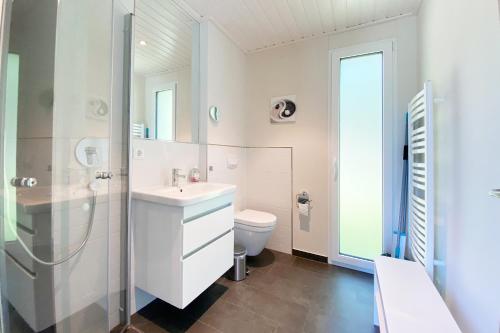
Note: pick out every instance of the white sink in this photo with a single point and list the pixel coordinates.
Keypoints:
(185, 195)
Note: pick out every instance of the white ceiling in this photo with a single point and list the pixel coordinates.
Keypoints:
(167, 30)
(259, 24)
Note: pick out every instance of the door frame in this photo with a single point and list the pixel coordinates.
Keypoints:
(5, 16)
(387, 47)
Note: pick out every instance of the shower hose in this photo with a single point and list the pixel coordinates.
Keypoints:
(72, 254)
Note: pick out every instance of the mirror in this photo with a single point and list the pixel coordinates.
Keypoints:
(166, 72)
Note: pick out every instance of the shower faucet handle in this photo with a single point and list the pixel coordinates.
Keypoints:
(24, 182)
(103, 175)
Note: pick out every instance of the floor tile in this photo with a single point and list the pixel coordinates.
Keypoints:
(284, 312)
(200, 327)
(228, 317)
(282, 293)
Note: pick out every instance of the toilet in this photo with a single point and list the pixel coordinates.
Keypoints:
(252, 229)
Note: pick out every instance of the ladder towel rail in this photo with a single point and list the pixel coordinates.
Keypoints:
(421, 192)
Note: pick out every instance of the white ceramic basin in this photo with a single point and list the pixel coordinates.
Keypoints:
(185, 195)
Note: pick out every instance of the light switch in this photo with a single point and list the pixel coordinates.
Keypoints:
(138, 154)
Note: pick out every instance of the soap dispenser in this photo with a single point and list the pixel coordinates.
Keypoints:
(194, 175)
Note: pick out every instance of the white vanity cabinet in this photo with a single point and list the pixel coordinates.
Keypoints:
(181, 250)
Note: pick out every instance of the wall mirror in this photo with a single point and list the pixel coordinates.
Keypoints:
(166, 72)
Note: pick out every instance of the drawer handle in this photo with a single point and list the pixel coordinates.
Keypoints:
(208, 212)
(16, 262)
(205, 245)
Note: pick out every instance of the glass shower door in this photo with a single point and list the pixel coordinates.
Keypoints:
(55, 156)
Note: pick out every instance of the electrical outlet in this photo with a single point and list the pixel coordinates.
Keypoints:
(138, 154)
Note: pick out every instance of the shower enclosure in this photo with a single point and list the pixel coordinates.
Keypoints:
(64, 165)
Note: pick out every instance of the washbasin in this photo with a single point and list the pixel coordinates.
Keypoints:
(185, 195)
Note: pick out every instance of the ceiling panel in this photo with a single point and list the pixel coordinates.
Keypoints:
(167, 31)
(259, 24)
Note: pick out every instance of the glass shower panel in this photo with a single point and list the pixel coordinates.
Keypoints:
(56, 65)
(360, 156)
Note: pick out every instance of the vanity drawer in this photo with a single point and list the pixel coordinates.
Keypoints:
(15, 249)
(204, 267)
(21, 290)
(199, 231)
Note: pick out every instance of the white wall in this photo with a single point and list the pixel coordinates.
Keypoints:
(160, 157)
(302, 69)
(218, 159)
(263, 179)
(269, 189)
(223, 80)
(460, 52)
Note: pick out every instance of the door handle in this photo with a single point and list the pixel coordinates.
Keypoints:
(495, 193)
(24, 182)
(335, 170)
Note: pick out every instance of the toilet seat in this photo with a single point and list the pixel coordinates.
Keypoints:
(254, 219)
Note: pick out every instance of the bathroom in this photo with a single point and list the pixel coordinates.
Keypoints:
(199, 166)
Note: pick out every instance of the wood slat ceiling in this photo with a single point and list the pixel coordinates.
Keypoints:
(167, 30)
(259, 24)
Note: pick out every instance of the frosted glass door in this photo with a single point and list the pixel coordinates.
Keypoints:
(361, 156)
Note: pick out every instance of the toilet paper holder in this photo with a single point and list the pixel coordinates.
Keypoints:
(303, 198)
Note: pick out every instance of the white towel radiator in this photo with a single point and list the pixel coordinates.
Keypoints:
(421, 178)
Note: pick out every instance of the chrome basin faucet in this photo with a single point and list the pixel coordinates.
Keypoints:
(178, 174)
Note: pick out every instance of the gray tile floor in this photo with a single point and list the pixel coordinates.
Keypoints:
(283, 293)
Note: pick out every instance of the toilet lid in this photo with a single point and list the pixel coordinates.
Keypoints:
(255, 218)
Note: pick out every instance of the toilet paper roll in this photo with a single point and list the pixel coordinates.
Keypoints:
(304, 209)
